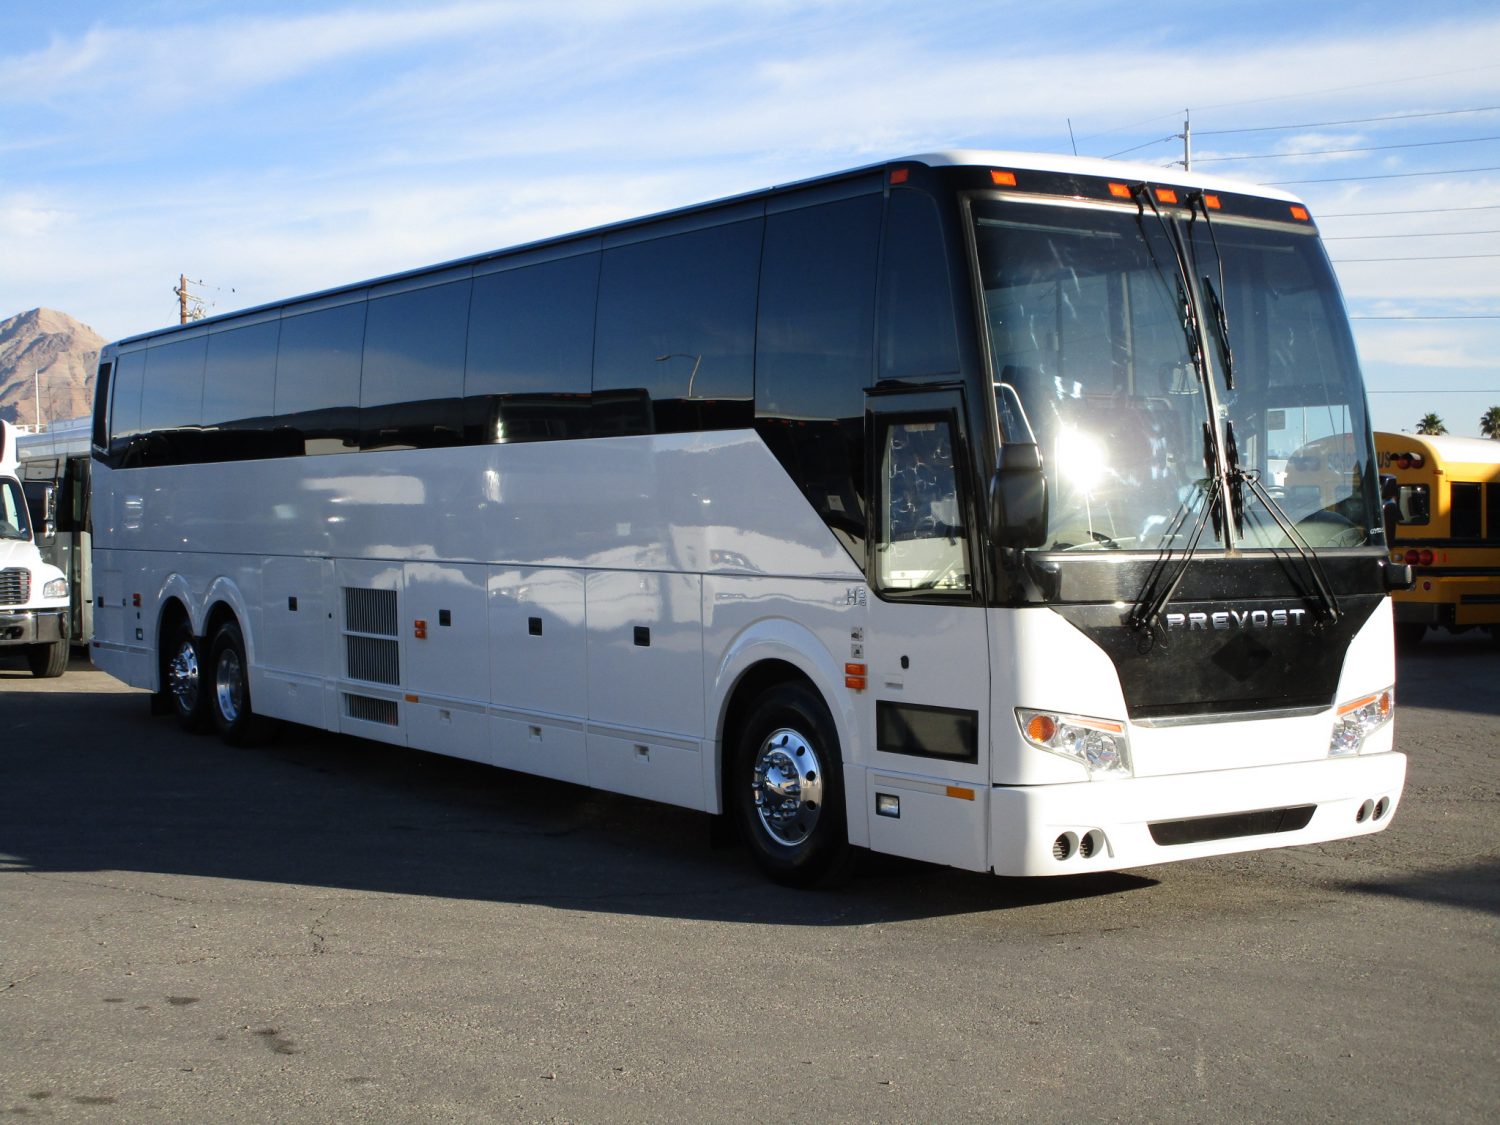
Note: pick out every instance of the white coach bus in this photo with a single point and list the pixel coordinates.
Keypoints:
(928, 508)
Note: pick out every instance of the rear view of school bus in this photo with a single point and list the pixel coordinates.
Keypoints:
(1447, 531)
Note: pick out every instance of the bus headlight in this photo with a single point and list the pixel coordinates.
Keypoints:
(1099, 744)
(1358, 719)
(57, 588)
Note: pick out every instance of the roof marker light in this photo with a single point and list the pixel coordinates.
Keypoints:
(1003, 179)
(1212, 202)
(1165, 195)
(1300, 213)
(1121, 191)
(900, 175)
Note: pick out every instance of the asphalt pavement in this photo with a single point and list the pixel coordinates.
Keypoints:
(324, 929)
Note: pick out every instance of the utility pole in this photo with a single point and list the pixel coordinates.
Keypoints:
(1187, 140)
(189, 304)
(36, 375)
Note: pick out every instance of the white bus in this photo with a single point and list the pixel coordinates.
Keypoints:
(921, 508)
(54, 465)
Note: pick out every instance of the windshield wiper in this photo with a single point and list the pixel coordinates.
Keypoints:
(1250, 479)
(1198, 202)
(1157, 594)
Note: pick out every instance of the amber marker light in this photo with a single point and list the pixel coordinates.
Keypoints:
(960, 793)
(855, 676)
(1121, 191)
(900, 175)
(1165, 195)
(1300, 213)
(1003, 179)
(1041, 728)
(1212, 202)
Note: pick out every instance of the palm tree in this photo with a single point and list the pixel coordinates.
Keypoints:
(1489, 423)
(1431, 424)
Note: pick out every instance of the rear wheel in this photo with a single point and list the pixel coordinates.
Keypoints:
(787, 791)
(229, 698)
(48, 661)
(183, 678)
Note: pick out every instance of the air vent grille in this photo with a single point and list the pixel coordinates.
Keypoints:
(371, 650)
(15, 585)
(369, 710)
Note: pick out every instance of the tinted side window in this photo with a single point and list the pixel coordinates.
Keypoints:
(917, 331)
(102, 386)
(239, 393)
(412, 383)
(676, 332)
(1492, 513)
(172, 400)
(125, 407)
(317, 378)
(814, 353)
(531, 352)
(1465, 512)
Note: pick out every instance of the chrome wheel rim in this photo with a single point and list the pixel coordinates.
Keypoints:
(229, 685)
(182, 676)
(787, 783)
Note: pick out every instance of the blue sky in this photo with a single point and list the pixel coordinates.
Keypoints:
(271, 149)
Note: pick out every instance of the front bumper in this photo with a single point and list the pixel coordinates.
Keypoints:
(33, 626)
(1150, 820)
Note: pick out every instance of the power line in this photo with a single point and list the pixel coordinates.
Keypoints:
(1422, 258)
(1419, 234)
(1387, 176)
(1439, 391)
(1416, 211)
(1350, 121)
(1340, 151)
(1455, 316)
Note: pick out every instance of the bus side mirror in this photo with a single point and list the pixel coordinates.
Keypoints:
(1018, 497)
(1390, 507)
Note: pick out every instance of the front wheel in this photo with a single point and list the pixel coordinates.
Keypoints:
(48, 661)
(786, 788)
(229, 701)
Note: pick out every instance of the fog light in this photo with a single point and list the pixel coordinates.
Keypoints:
(888, 804)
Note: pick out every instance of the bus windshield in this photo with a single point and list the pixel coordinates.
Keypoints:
(1099, 334)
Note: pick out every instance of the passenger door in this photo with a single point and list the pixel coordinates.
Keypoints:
(927, 648)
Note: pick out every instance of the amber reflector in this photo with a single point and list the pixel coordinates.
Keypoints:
(1300, 213)
(1212, 202)
(1003, 179)
(1041, 728)
(1120, 191)
(1165, 195)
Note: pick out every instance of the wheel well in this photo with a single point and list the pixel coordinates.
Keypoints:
(217, 616)
(756, 681)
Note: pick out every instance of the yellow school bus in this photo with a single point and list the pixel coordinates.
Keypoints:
(1448, 530)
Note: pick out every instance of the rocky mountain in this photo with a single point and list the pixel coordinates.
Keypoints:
(66, 354)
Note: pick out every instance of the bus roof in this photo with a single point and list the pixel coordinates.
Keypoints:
(956, 158)
(1441, 448)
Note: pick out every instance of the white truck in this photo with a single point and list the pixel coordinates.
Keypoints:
(33, 594)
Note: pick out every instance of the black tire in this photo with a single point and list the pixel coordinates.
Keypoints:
(184, 680)
(48, 661)
(229, 689)
(786, 788)
(1409, 635)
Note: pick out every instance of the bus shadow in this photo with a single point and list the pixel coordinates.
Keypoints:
(92, 783)
(1452, 673)
(1474, 886)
